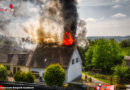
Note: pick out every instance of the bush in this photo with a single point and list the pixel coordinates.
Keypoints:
(30, 77)
(54, 75)
(3, 72)
(20, 76)
(24, 77)
(122, 72)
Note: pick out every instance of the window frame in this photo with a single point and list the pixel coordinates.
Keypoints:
(77, 60)
(73, 61)
(18, 68)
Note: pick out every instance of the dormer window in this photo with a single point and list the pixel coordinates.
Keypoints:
(72, 61)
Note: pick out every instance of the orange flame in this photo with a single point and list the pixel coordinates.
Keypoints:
(68, 39)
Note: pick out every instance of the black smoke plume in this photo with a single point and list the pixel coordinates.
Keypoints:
(70, 15)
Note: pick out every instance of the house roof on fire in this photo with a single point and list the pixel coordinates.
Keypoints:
(46, 55)
(41, 57)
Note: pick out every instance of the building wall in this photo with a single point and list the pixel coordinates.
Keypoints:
(40, 70)
(128, 62)
(74, 70)
(11, 68)
(24, 69)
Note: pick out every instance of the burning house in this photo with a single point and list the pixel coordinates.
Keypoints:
(54, 31)
(67, 57)
(56, 41)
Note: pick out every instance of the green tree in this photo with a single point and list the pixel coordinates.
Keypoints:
(102, 55)
(116, 53)
(125, 43)
(82, 54)
(92, 42)
(88, 58)
(3, 72)
(54, 75)
(106, 55)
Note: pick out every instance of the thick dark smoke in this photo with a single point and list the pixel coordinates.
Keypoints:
(44, 20)
(70, 15)
(10, 23)
(56, 17)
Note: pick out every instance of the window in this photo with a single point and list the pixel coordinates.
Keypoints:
(8, 67)
(72, 61)
(77, 60)
(22, 57)
(14, 70)
(10, 57)
(18, 69)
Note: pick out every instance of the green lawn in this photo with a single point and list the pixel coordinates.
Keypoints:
(126, 51)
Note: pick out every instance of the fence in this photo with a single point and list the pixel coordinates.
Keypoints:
(122, 87)
(81, 86)
(106, 78)
(110, 79)
(29, 86)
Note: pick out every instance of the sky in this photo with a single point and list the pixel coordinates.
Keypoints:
(105, 17)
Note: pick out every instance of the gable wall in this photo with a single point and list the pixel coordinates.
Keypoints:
(74, 70)
(11, 70)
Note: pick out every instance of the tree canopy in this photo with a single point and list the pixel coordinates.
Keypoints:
(104, 55)
(125, 43)
(3, 72)
(88, 58)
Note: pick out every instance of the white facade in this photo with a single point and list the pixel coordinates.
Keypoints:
(75, 67)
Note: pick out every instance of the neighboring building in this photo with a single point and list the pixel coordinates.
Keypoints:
(15, 62)
(13, 59)
(127, 60)
(67, 56)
